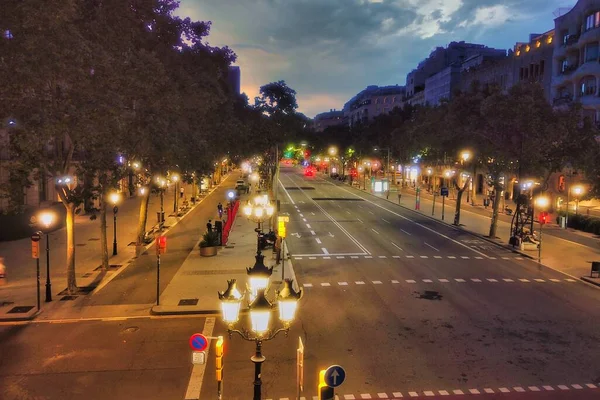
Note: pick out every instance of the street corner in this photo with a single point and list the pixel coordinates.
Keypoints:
(594, 281)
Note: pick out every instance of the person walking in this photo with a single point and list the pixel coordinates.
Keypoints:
(209, 226)
(220, 210)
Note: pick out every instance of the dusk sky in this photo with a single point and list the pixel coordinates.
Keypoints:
(329, 50)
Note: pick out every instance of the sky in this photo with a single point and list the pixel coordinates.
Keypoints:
(329, 50)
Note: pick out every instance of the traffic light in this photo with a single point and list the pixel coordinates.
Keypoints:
(161, 245)
(325, 392)
(219, 358)
(544, 217)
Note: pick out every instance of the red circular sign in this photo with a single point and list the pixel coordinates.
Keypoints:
(198, 342)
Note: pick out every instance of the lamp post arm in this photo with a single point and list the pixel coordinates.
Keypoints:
(244, 334)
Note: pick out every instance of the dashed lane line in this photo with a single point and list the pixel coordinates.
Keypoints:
(432, 280)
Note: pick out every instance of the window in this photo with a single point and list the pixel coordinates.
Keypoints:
(564, 65)
(592, 21)
(588, 86)
(591, 52)
(542, 67)
(565, 36)
(377, 101)
(385, 100)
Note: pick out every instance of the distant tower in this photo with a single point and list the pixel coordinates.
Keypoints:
(233, 79)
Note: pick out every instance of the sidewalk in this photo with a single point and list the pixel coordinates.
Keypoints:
(20, 290)
(194, 288)
(563, 250)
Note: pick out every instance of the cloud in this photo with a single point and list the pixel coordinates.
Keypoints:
(329, 50)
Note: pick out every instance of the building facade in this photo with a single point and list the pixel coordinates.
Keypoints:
(331, 118)
(532, 61)
(441, 85)
(373, 101)
(441, 58)
(576, 66)
(487, 72)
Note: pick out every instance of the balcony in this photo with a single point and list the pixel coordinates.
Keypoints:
(571, 39)
(569, 69)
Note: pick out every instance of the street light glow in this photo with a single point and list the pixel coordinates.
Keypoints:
(578, 190)
(114, 198)
(47, 218)
(333, 151)
(542, 201)
(465, 155)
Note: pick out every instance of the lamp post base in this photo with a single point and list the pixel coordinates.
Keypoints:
(257, 359)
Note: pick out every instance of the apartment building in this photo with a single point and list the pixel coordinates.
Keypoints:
(533, 59)
(373, 101)
(332, 117)
(576, 66)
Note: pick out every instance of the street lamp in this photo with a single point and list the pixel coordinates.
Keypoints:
(541, 202)
(115, 198)
(259, 210)
(388, 157)
(47, 219)
(161, 183)
(175, 180)
(260, 309)
(577, 191)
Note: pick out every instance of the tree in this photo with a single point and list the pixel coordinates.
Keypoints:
(276, 98)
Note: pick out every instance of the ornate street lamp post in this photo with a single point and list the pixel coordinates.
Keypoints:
(115, 198)
(259, 210)
(47, 219)
(260, 309)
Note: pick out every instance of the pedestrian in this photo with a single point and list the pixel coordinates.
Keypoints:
(181, 192)
(209, 226)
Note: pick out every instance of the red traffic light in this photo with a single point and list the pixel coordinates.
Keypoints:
(161, 244)
(544, 217)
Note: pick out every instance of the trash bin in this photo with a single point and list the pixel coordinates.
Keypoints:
(563, 222)
(159, 215)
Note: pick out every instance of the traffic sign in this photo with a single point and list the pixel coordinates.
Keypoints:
(198, 357)
(35, 245)
(198, 342)
(444, 191)
(161, 245)
(335, 376)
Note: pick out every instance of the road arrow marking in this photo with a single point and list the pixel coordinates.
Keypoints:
(331, 234)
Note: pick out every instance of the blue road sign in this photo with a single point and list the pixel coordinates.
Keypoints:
(198, 342)
(335, 376)
(444, 191)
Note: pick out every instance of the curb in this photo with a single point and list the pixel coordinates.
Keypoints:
(591, 281)
(487, 239)
(162, 310)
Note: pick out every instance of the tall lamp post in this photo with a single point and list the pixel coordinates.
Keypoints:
(47, 219)
(115, 198)
(161, 183)
(577, 191)
(259, 210)
(260, 309)
(388, 158)
(541, 203)
(465, 156)
(175, 180)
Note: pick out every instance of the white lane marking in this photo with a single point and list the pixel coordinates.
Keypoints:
(410, 281)
(304, 219)
(504, 390)
(348, 397)
(577, 386)
(382, 256)
(437, 256)
(459, 280)
(375, 231)
(519, 389)
(591, 386)
(427, 281)
(395, 256)
(464, 257)
(539, 280)
(377, 283)
(443, 393)
(312, 258)
(308, 226)
(397, 394)
(492, 280)
(490, 258)
(325, 284)
(296, 207)
(353, 256)
(488, 390)
(458, 391)
(382, 395)
(507, 280)
(534, 388)
(424, 256)
(371, 212)
(395, 281)
(368, 256)
(297, 258)
(340, 257)
(318, 240)
(326, 258)
(562, 387)
(505, 258)
(416, 223)
(360, 220)
(444, 280)
(554, 280)
(396, 246)
(348, 212)
(312, 213)
(312, 233)
(428, 393)
(307, 285)
(549, 388)
(302, 215)
(413, 394)
(452, 257)
(408, 233)
(287, 193)
(386, 221)
(474, 391)
(427, 244)
(343, 283)
(475, 280)
(479, 258)
(410, 256)
(197, 376)
(359, 282)
(324, 250)
(524, 280)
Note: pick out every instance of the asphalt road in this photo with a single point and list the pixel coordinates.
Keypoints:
(406, 304)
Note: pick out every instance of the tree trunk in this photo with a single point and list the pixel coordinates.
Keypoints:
(495, 213)
(103, 238)
(70, 226)
(459, 194)
(141, 231)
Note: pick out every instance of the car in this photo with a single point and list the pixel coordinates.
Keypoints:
(240, 184)
(309, 172)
